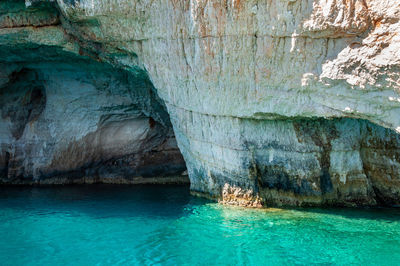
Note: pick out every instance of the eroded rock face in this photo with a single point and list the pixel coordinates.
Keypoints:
(293, 162)
(272, 102)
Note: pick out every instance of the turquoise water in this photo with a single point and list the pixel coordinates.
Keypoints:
(155, 225)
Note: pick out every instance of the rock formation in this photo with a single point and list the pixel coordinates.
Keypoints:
(272, 102)
(66, 118)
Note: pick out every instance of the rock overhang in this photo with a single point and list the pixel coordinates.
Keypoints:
(230, 71)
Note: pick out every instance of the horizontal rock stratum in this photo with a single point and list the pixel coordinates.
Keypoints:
(272, 102)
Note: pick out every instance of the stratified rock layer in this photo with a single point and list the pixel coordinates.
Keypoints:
(272, 102)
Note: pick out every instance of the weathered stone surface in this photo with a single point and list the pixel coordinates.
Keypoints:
(292, 162)
(272, 102)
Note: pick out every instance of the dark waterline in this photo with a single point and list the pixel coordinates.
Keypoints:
(136, 225)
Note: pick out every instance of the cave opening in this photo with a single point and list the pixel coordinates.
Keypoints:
(80, 121)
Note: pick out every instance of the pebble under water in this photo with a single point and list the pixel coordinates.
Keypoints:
(165, 225)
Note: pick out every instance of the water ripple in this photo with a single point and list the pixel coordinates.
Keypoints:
(151, 225)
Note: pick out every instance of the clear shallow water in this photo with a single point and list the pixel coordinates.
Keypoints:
(146, 225)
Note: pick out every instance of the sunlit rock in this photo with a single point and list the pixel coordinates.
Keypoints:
(272, 102)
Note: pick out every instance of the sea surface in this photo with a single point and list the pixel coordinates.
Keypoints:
(165, 225)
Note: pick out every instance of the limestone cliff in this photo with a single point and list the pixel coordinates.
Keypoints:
(273, 102)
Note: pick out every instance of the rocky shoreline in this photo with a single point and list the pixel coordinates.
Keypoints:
(265, 103)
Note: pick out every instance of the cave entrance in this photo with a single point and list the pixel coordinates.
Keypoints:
(79, 121)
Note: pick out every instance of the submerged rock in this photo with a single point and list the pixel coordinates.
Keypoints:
(271, 102)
